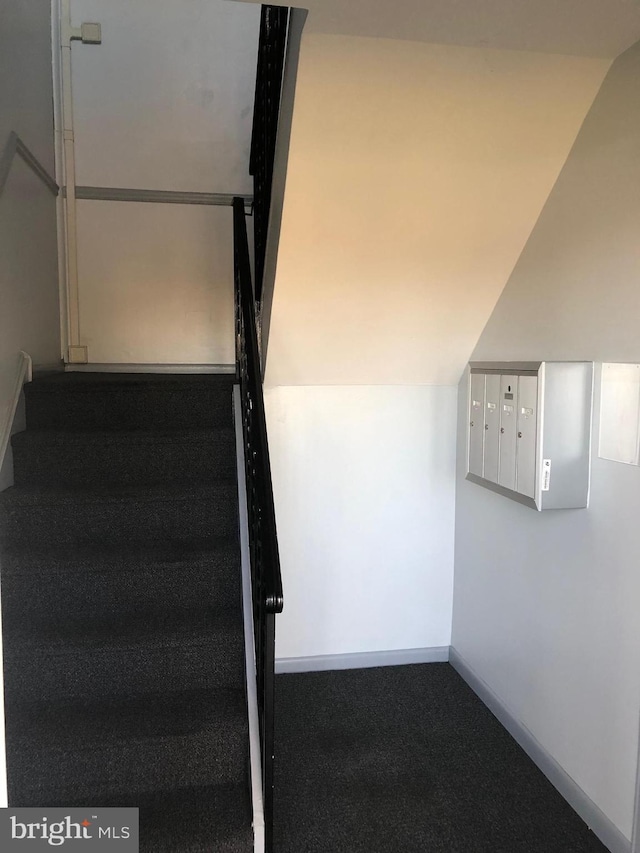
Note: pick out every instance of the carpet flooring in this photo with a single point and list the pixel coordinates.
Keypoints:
(121, 595)
(407, 759)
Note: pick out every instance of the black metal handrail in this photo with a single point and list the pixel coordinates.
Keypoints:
(266, 580)
(271, 51)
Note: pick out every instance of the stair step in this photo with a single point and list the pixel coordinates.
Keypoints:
(127, 747)
(190, 819)
(118, 401)
(48, 660)
(114, 578)
(125, 513)
(125, 457)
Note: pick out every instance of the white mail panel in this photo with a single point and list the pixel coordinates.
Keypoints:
(530, 431)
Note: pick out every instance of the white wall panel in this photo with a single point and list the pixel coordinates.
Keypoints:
(364, 489)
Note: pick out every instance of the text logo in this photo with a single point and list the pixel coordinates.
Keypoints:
(71, 829)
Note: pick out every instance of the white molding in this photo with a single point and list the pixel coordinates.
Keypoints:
(592, 815)
(123, 194)
(150, 368)
(363, 660)
(23, 374)
(249, 643)
(61, 223)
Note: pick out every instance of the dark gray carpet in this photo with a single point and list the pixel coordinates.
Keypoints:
(123, 642)
(408, 760)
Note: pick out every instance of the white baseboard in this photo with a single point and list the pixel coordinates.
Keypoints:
(592, 815)
(255, 763)
(150, 368)
(363, 660)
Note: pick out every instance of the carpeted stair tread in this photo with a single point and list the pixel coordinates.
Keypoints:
(196, 455)
(198, 819)
(20, 558)
(163, 492)
(49, 514)
(119, 579)
(152, 628)
(49, 661)
(128, 401)
(128, 746)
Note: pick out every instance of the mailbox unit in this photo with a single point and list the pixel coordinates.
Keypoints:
(530, 431)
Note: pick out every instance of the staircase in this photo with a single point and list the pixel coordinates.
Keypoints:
(121, 593)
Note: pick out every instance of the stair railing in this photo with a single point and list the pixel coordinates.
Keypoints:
(266, 581)
(274, 22)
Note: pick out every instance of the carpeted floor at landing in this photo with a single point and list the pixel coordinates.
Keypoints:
(408, 760)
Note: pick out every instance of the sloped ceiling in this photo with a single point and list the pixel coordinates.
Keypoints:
(598, 28)
(417, 172)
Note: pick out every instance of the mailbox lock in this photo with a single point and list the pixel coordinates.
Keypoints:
(472, 423)
(519, 435)
(486, 426)
(502, 430)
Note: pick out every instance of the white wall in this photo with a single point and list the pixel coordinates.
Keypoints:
(546, 605)
(364, 486)
(165, 102)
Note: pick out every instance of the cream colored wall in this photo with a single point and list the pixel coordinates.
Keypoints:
(416, 174)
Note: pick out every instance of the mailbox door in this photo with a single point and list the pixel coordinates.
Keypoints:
(508, 431)
(476, 424)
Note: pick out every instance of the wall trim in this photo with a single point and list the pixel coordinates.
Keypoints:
(363, 660)
(255, 762)
(159, 196)
(581, 803)
(24, 371)
(15, 146)
(150, 368)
